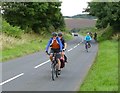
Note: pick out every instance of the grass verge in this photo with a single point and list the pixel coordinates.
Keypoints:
(24, 49)
(103, 75)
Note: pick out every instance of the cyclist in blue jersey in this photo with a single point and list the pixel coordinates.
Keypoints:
(87, 39)
(56, 47)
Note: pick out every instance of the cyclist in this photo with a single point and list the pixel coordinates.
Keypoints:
(56, 47)
(87, 39)
(90, 33)
(60, 35)
(95, 36)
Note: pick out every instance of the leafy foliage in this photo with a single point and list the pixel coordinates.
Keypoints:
(34, 15)
(106, 12)
(11, 31)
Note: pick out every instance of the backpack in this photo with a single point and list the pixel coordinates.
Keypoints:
(62, 63)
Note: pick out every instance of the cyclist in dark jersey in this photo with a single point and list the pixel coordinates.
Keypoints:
(64, 45)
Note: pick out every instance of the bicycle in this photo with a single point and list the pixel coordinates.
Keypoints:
(87, 45)
(54, 66)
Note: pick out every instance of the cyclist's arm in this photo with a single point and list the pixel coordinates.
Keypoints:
(48, 45)
(65, 45)
(90, 38)
(60, 43)
(84, 39)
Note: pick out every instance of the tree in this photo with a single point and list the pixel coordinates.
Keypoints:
(106, 12)
(33, 15)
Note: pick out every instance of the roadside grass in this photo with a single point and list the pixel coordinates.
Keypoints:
(103, 75)
(68, 37)
(24, 49)
(29, 43)
(11, 42)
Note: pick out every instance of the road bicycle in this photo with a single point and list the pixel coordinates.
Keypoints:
(87, 45)
(54, 67)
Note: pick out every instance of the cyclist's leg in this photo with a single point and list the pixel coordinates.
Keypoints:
(62, 56)
(59, 63)
(51, 54)
(85, 44)
(89, 44)
(65, 58)
(51, 57)
(58, 56)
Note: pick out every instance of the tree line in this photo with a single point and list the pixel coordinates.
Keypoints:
(108, 13)
(34, 16)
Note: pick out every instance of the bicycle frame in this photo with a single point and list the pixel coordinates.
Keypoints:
(54, 67)
(86, 45)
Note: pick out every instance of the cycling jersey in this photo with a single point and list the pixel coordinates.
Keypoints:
(63, 42)
(54, 44)
(88, 38)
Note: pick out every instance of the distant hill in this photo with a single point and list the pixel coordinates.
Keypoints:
(78, 23)
(86, 16)
(67, 16)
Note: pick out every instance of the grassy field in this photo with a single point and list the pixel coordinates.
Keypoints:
(103, 75)
(79, 23)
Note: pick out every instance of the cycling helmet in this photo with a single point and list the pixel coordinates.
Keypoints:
(54, 34)
(60, 34)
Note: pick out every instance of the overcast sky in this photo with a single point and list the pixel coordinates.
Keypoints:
(73, 7)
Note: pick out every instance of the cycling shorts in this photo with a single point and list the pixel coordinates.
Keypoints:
(58, 55)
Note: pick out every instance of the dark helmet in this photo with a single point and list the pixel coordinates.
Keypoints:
(60, 34)
(54, 34)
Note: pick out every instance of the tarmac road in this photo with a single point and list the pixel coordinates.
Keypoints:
(33, 72)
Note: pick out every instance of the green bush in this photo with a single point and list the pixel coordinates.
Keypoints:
(106, 34)
(116, 37)
(10, 30)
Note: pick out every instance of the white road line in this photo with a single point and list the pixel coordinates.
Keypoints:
(11, 79)
(42, 64)
(75, 46)
(70, 49)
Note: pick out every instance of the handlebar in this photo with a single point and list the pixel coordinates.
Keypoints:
(53, 53)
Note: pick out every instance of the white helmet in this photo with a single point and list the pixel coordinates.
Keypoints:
(87, 33)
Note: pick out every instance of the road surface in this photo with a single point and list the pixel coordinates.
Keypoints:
(33, 73)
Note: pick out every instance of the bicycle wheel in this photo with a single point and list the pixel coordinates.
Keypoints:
(56, 71)
(87, 47)
(53, 71)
